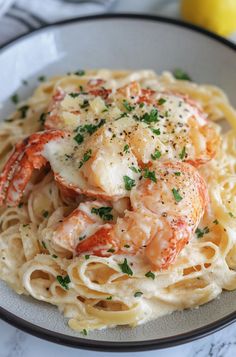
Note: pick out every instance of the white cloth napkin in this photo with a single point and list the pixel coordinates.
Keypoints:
(21, 16)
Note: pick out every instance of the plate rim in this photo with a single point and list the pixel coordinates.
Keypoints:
(110, 346)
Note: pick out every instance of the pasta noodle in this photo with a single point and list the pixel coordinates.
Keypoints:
(97, 294)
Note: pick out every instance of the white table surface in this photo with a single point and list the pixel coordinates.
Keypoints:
(15, 343)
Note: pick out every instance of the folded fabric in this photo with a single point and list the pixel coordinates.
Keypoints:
(21, 16)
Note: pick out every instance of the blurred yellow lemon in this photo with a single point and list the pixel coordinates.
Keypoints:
(216, 15)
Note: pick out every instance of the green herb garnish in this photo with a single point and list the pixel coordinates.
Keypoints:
(84, 332)
(161, 101)
(41, 78)
(43, 244)
(109, 298)
(63, 281)
(148, 118)
(103, 212)
(87, 256)
(200, 232)
(125, 268)
(85, 104)
(216, 221)
(150, 274)
(54, 256)
(156, 155)
(176, 195)
(74, 95)
(79, 138)
(183, 153)
(127, 106)
(82, 237)
(156, 131)
(134, 169)
(23, 111)
(86, 157)
(80, 72)
(126, 148)
(45, 214)
(138, 294)
(15, 98)
(129, 182)
(177, 173)
(180, 74)
(150, 174)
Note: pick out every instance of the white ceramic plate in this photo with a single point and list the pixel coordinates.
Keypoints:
(116, 41)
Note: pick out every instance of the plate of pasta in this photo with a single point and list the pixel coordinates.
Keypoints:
(118, 182)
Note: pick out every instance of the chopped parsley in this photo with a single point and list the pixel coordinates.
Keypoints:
(182, 153)
(180, 74)
(43, 244)
(103, 212)
(85, 104)
(150, 274)
(151, 117)
(42, 118)
(23, 111)
(90, 128)
(127, 246)
(126, 149)
(87, 256)
(82, 237)
(134, 169)
(156, 131)
(177, 173)
(109, 298)
(20, 205)
(200, 232)
(15, 98)
(80, 72)
(84, 332)
(79, 138)
(54, 256)
(216, 221)
(138, 294)
(156, 155)
(85, 158)
(127, 106)
(231, 214)
(45, 214)
(150, 175)
(129, 182)
(63, 281)
(125, 268)
(141, 105)
(111, 250)
(74, 95)
(122, 116)
(176, 195)
(41, 78)
(161, 101)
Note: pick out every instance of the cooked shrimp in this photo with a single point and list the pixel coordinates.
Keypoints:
(164, 216)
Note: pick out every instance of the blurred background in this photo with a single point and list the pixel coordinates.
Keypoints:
(21, 16)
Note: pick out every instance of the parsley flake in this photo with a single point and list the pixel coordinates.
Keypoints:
(125, 268)
(82, 237)
(150, 274)
(161, 101)
(180, 74)
(79, 138)
(138, 294)
(85, 158)
(109, 298)
(45, 214)
(216, 221)
(127, 106)
(134, 169)
(126, 149)
(54, 256)
(151, 117)
(156, 131)
(200, 232)
(177, 173)
(129, 182)
(87, 256)
(41, 78)
(15, 98)
(182, 153)
(23, 111)
(103, 212)
(111, 250)
(176, 195)
(64, 281)
(80, 72)
(156, 155)
(150, 175)
(231, 214)
(74, 95)
(43, 243)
